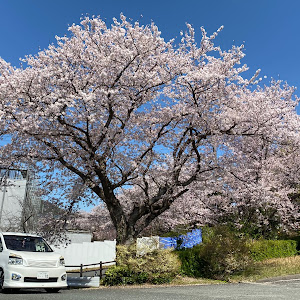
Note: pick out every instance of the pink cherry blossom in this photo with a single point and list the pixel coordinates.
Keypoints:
(139, 122)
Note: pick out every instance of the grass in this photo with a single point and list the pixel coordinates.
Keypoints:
(270, 268)
(184, 280)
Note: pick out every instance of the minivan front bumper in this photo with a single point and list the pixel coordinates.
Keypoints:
(29, 277)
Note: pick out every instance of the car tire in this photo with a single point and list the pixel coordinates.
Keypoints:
(2, 282)
(1, 279)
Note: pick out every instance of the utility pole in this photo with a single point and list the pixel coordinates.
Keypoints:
(27, 206)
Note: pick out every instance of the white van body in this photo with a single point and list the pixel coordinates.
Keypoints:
(27, 261)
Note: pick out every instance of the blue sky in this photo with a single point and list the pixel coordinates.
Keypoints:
(269, 28)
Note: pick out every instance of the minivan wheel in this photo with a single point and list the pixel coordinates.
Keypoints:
(52, 290)
(1, 279)
(2, 282)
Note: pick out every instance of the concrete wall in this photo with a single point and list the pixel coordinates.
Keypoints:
(87, 252)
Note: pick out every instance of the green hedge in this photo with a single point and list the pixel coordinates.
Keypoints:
(266, 249)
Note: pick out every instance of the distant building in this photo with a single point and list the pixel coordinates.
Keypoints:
(19, 205)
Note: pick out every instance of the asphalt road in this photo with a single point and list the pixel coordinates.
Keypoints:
(277, 290)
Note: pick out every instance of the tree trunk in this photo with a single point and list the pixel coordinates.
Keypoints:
(125, 230)
(125, 233)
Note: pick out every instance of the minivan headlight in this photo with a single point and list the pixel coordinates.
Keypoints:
(61, 261)
(15, 260)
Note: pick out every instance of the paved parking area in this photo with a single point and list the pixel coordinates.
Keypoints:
(278, 289)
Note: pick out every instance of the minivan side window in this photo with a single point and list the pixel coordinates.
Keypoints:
(1, 246)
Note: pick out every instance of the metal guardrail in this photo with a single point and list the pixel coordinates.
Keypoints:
(82, 266)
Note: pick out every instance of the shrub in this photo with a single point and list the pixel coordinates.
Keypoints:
(190, 261)
(123, 275)
(116, 276)
(208, 233)
(297, 239)
(222, 255)
(294, 237)
(158, 267)
(266, 249)
(159, 261)
(161, 278)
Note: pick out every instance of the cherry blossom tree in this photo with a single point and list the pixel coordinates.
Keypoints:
(256, 198)
(118, 110)
(258, 188)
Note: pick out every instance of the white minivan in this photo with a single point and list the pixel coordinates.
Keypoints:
(27, 261)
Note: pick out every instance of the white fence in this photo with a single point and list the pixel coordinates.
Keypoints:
(87, 252)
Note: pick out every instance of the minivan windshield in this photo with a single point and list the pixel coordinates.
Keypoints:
(26, 243)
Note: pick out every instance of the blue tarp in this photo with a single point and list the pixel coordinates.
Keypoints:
(188, 240)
